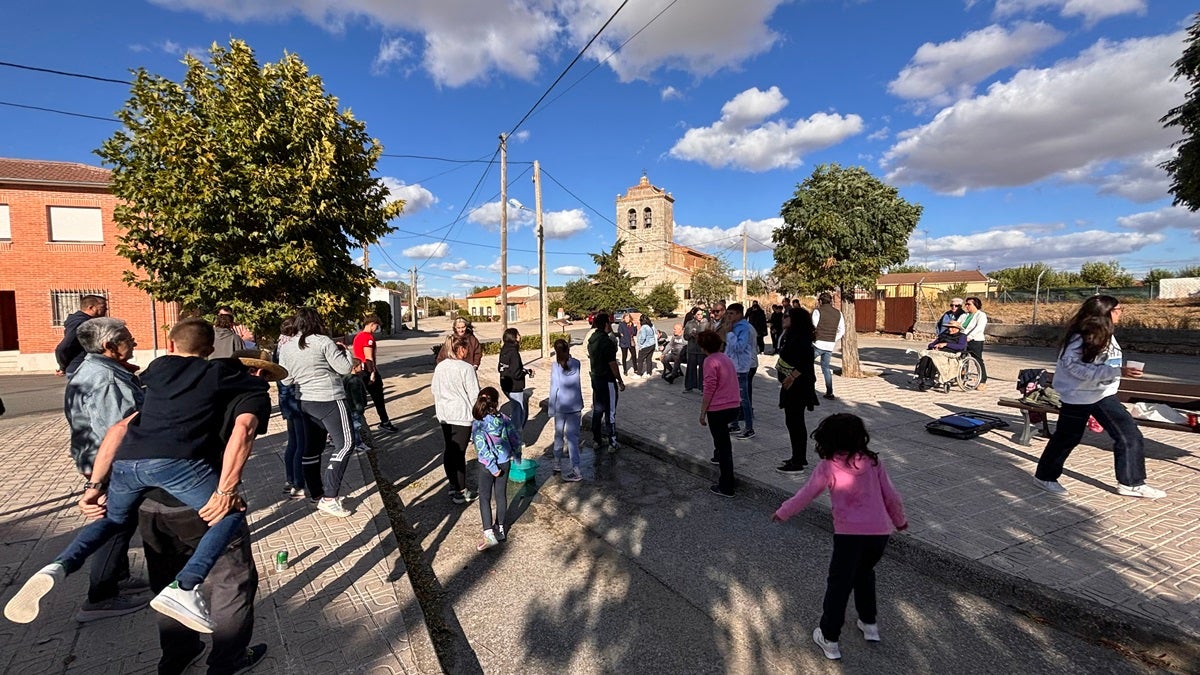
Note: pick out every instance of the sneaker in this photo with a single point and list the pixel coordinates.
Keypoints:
(870, 631)
(458, 497)
(716, 490)
(296, 493)
(288, 488)
(832, 651)
(489, 540)
(735, 427)
(1051, 486)
(23, 607)
(829, 395)
(1140, 491)
(613, 445)
(187, 607)
(789, 468)
(556, 467)
(388, 427)
(714, 461)
(332, 507)
(250, 659)
(501, 535)
(746, 435)
(119, 605)
(573, 476)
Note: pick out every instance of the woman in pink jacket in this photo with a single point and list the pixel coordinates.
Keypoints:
(719, 409)
(865, 508)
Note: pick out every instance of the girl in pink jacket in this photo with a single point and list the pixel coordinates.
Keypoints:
(866, 506)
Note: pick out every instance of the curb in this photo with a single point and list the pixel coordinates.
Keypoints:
(1149, 641)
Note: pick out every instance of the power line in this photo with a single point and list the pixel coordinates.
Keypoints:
(60, 112)
(568, 68)
(446, 159)
(65, 73)
(486, 170)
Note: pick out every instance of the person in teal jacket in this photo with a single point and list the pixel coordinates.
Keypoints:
(497, 442)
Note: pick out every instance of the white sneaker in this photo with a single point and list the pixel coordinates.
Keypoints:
(870, 631)
(187, 607)
(332, 507)
(1140, 491)
(832, 651)
(23, 608)
(489, 540)
(1051, 486)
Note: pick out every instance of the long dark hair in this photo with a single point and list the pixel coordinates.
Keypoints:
(843, 434)
(799, 325)
(487, 403)
(1093, 323)
(308, 322)
(562, 352)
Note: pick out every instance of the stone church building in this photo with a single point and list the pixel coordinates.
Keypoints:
(646, 223)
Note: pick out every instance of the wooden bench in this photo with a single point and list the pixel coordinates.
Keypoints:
(1180, 396)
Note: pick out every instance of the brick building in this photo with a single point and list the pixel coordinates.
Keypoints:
(58, 243)
(523, 304)
(646, 223)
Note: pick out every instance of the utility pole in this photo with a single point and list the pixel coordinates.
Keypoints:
(367, 257)
(412, 295)
(503, 232)
(745, 298)
(544, 322)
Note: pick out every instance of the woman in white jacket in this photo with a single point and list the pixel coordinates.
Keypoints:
(974, 323)
(1087, 377)
(455, 387)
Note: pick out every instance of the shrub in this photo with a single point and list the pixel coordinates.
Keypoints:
(528, 343)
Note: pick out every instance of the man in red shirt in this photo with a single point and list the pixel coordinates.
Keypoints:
(364, 351)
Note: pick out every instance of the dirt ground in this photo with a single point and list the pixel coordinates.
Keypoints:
(1174, 314)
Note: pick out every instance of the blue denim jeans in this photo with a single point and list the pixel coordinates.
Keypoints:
(825, 369)
(289, 409)
(1128, 452)
(566, 432)
(520, 410)
(191, 481)
(746, 391)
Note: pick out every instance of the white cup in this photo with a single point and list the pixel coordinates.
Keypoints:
(1136, 365)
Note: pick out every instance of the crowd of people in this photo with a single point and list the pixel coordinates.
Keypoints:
(163, 451)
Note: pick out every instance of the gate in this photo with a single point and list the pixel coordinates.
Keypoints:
(899, 315)
(865, 320)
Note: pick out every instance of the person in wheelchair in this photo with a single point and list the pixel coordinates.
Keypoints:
(939, 361)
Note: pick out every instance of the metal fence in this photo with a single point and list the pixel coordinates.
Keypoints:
(1079, 294)
(66, 303)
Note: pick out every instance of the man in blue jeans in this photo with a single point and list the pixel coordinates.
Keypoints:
(828, 327)
(173, 443)
(741, 347)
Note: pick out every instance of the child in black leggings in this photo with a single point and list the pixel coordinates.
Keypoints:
(497, 442)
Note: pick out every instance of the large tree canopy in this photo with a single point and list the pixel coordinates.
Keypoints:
(842, 227)
(609, 288)
(1184, 167)
(245, 185)
(713, 281)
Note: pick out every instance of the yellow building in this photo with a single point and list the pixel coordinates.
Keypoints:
(523, 303)
(933, 284)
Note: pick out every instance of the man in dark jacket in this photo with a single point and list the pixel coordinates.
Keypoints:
(758, 320)
(69, 353)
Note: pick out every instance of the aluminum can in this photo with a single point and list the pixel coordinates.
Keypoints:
(281, 561)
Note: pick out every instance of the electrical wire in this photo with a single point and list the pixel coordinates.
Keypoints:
(65, 73)
(60, 112)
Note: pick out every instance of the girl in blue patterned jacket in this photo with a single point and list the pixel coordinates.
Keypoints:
(497, 442)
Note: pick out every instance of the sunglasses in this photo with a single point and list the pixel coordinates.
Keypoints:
(956, 305)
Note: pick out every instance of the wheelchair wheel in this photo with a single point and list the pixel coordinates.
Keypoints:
(969, 373)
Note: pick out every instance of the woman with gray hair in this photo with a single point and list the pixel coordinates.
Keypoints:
(103, 391)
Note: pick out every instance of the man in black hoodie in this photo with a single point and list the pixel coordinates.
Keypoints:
(173, 443)
(69, 353)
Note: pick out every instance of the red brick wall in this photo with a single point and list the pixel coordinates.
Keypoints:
(32, 267)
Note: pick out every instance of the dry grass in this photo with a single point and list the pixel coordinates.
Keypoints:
(1166, 314)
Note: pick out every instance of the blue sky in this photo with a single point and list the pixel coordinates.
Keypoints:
(1028, 129)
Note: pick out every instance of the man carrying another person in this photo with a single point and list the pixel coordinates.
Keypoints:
(69, 353)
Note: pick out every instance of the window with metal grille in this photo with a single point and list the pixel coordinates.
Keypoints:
(66, 303)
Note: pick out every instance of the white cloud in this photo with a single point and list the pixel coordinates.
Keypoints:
(521, 136)
(759, 232)
(386, 274)
(563, 224)
(879, 134)
(392, 51)
(512, 269)
(488, 216)
(1007, 247)
(471, 279)
(416, 198)
(438, 249)
(1090, 11)
(471, 40)
(453, 266)
(1139, 179)
(570, 271)
(1046, 121)
(670, 93)
(1167, 217)
(742, 138)
(943, 72)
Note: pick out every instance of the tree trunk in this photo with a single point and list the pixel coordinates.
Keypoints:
(851, 367)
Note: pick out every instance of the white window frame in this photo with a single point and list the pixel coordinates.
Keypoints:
(76, 224)
(5, 223)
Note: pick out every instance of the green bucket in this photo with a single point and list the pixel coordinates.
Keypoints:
(522, 470)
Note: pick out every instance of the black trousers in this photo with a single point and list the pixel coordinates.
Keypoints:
(718, 426)
(604, 410)
(975, 348)
(793, 417)
(627, 352)
(493, 485)
(645, 361)
(110, 566)
(169, 537)
(454, 457)
(852, 568)
(374, 387)
(693, 377)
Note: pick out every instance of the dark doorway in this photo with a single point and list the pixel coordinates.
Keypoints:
(8, 321)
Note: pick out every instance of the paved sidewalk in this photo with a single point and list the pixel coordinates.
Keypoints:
(1094, 556)
(344, 605)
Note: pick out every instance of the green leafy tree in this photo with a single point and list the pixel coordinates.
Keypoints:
(908, 269)
(578, 297)
(1025, 277)
(1188, 272)
(397, 286)
(662, 298)
(1108, 274)
(612, 285)
(713, 281)
(383, 310)
(1184, 167)
(841, 228)
(479, 289)
(1156, 275)
(245, 185)
(758, 285)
